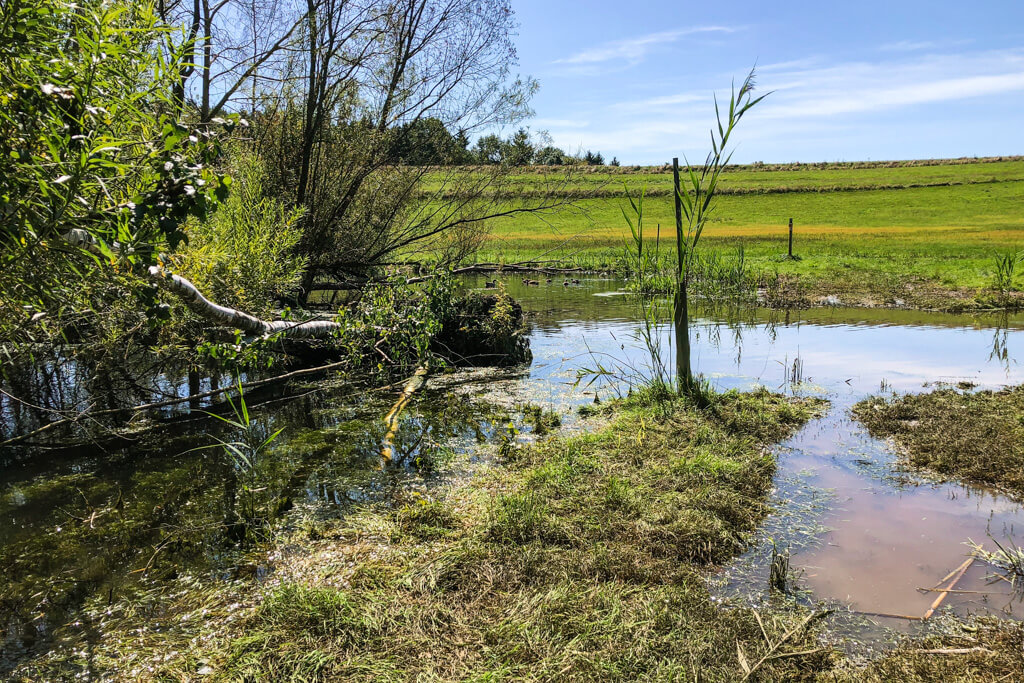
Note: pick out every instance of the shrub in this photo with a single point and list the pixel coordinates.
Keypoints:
(243, 255)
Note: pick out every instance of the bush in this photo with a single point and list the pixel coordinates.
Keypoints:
(243, 255)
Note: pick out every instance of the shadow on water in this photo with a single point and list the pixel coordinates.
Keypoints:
(84, 527)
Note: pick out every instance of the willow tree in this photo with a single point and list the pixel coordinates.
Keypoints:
(363, 80)
(91, 145)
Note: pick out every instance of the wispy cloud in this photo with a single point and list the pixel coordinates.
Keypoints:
(920, 45)
(863, 87)
(908, 46)
(661, 103)
(824, 103)
(633, 50)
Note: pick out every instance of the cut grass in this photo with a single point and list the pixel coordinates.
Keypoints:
(581, 558)
(578, 558)
(974, 436)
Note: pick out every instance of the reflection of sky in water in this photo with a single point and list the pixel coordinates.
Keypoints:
(845, 358)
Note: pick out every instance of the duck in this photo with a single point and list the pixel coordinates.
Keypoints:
(490, 284)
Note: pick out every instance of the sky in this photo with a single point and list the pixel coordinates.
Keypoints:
(849, 81)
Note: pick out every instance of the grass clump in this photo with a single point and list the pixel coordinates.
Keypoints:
(974, 436)
(988, 649)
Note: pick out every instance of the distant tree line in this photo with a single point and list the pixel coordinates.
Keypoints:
(427, 142)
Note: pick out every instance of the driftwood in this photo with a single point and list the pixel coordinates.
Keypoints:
(959, 571)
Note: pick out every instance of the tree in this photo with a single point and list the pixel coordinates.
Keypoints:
(426, 142)
(489, 149)
(232, 49)
(519, 149)
(550, 156)
(592, 159)
(364, 75)
(90, 145)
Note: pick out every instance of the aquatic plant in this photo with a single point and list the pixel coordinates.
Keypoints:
(1009, 558)
(246, 453)
(695, 201)
(1006, 272)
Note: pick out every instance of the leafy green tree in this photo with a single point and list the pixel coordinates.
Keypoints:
(426, 142)
(550, 156)
(90, 142)
(519, 149)
(489, 149)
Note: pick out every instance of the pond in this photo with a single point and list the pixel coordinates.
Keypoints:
(83, 526)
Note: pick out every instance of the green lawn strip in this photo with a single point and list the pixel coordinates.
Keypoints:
(924, 247)
(974, 436)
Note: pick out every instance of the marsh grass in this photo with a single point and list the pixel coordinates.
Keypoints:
(974, 436)
(580, 558)
(1005, 275)
(1009, 558)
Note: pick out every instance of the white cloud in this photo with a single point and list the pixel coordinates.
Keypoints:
(633, 50)
(861, 87)
(919, 45)
(663, 102)
(908, 46)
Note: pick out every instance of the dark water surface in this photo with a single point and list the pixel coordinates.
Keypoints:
(79, 526)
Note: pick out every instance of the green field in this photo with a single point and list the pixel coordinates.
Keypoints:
(927, 238)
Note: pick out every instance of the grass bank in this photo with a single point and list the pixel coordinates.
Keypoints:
(579, 557)
(974, 436)
(919, 236)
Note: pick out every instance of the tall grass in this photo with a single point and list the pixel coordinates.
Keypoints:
(1006, 272)
(694, 206)
(245, 454)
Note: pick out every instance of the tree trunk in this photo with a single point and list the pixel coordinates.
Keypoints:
(681, 324)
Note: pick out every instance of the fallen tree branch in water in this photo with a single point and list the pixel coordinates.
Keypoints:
(414, 384)
(204, 308)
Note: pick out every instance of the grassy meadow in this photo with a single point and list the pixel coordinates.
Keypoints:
(922, 234)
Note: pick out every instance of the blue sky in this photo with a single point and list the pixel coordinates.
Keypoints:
(903, 79)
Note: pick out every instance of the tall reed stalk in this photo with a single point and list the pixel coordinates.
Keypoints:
(694, 204)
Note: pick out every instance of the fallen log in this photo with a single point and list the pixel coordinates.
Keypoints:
(414, 384)
(203, 307)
